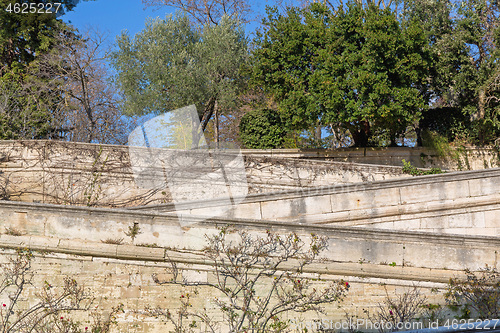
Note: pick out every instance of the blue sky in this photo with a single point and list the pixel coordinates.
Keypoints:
(113, 16)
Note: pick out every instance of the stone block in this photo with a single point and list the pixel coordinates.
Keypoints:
(434, 222)
(272, 210)
(492, 218)
(318, 204)
(484, 186)
(247, 211)
(407, 225)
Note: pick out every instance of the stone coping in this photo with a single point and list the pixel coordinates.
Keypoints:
(434, 208)
(258, 151)
(138, 254)
(382, 235)
(273, 154)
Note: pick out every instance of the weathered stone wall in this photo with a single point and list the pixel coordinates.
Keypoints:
(101, 175)
(129, 282)
(75, 240)
(69, 243)
(458, 158)
(465, 202)
(69, 224)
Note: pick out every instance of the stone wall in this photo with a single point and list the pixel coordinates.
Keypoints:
(130, 282)
(68, 241)
(101, 175)
(465, 202)
(165, 230)
(458, 158)
(373, 219)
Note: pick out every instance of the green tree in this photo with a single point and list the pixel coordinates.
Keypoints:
(462, 38)
(286, 58)
(262, 129)
(359, 69)
(25, 107)
(476, 80)
(374, 72)
(28, 102)
(24, 35)
(172, 63)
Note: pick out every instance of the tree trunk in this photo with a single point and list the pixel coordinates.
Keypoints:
(481, 114)
(360, 134)
(418, 131)
(481, 104)
(216, 127)
(317, 133)
(207, 113)
(393, 142)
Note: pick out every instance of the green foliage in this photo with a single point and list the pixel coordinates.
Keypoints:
(373, 71)
(285, 60)
(436, 142)
(262, 129)
(23, 36)
(25, 108)
(410, 169)
(172, 63)
(465, 70)
(28, 101)
(449, 122)
(433, 313)
(133, 231)
(360, 69)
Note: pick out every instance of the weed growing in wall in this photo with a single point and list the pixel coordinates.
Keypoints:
(410, 169)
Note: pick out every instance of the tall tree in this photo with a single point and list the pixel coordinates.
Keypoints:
(475, 82)
(24, 35)
(374, 72)
(172, 63)
(28, 104)
(286, 58)
(27, 107)
(89, 100)
(359, 69)
(462, 36)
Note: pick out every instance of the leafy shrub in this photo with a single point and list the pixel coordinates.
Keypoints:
(448, 122)
(410, 169)
(436, 142)
(262, 129)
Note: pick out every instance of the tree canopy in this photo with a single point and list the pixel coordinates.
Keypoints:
(29, 102)
(359, 68)
(173, 63)
(368, 72)
(23, 36)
